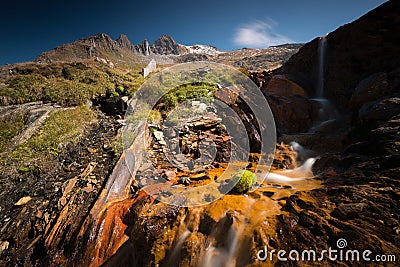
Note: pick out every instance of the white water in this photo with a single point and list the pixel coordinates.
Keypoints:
(178, 246)
(302, 153)
(222, 256)
(326, 114)
(225, 256)
(300, 173)
(321, 66)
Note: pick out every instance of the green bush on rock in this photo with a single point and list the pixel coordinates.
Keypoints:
(244, 180)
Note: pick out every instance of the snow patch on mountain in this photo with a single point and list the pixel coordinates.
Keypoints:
(203, 49)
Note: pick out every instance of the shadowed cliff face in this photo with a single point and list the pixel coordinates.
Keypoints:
(354, 52)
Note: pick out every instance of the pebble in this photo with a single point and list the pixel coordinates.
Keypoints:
(106, 147)
(39, 214)
(4, 246)
(89, 188)
(91, 150)
(22, 201)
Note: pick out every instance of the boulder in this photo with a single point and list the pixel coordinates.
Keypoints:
(280, 85)
(293, 114)
(371, 88)
(381, 110)
(285, 157)
(226, 95)
(346, 211)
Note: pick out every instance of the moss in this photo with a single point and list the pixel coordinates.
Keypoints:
(34, 169)
(244, 180)
(61, 127)
(186, 92)
(9, 128)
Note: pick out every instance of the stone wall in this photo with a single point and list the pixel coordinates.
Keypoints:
(149, 68)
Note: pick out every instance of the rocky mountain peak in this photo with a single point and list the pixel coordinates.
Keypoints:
(143, 48)
(100, 40)
(124, 42)
(165, 45)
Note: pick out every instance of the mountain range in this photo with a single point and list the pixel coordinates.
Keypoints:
(166, 51)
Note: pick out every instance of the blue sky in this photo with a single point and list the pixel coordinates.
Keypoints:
(29, 27)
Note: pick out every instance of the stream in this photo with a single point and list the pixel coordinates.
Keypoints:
(216, 234)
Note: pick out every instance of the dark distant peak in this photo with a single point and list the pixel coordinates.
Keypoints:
(165, 45)
(289, 46)
(124, 42)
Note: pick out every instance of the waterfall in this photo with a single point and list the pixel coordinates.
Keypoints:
(321, 66)
(327, 114)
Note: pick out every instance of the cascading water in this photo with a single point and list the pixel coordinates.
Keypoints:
(326, 112)
(321, 66)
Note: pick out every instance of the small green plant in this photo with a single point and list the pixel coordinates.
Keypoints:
(185, 92)
(31, 168)
(244, 180)
(154, 117)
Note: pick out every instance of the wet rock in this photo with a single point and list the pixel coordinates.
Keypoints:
(346, 211)
(326, 162)
(169, 175)
(285, 157)
(268, 194)
(184, 180)
(230, 216)
(199, 176)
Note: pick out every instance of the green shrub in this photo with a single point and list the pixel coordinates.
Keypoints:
(185, 92)
(244, 180)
